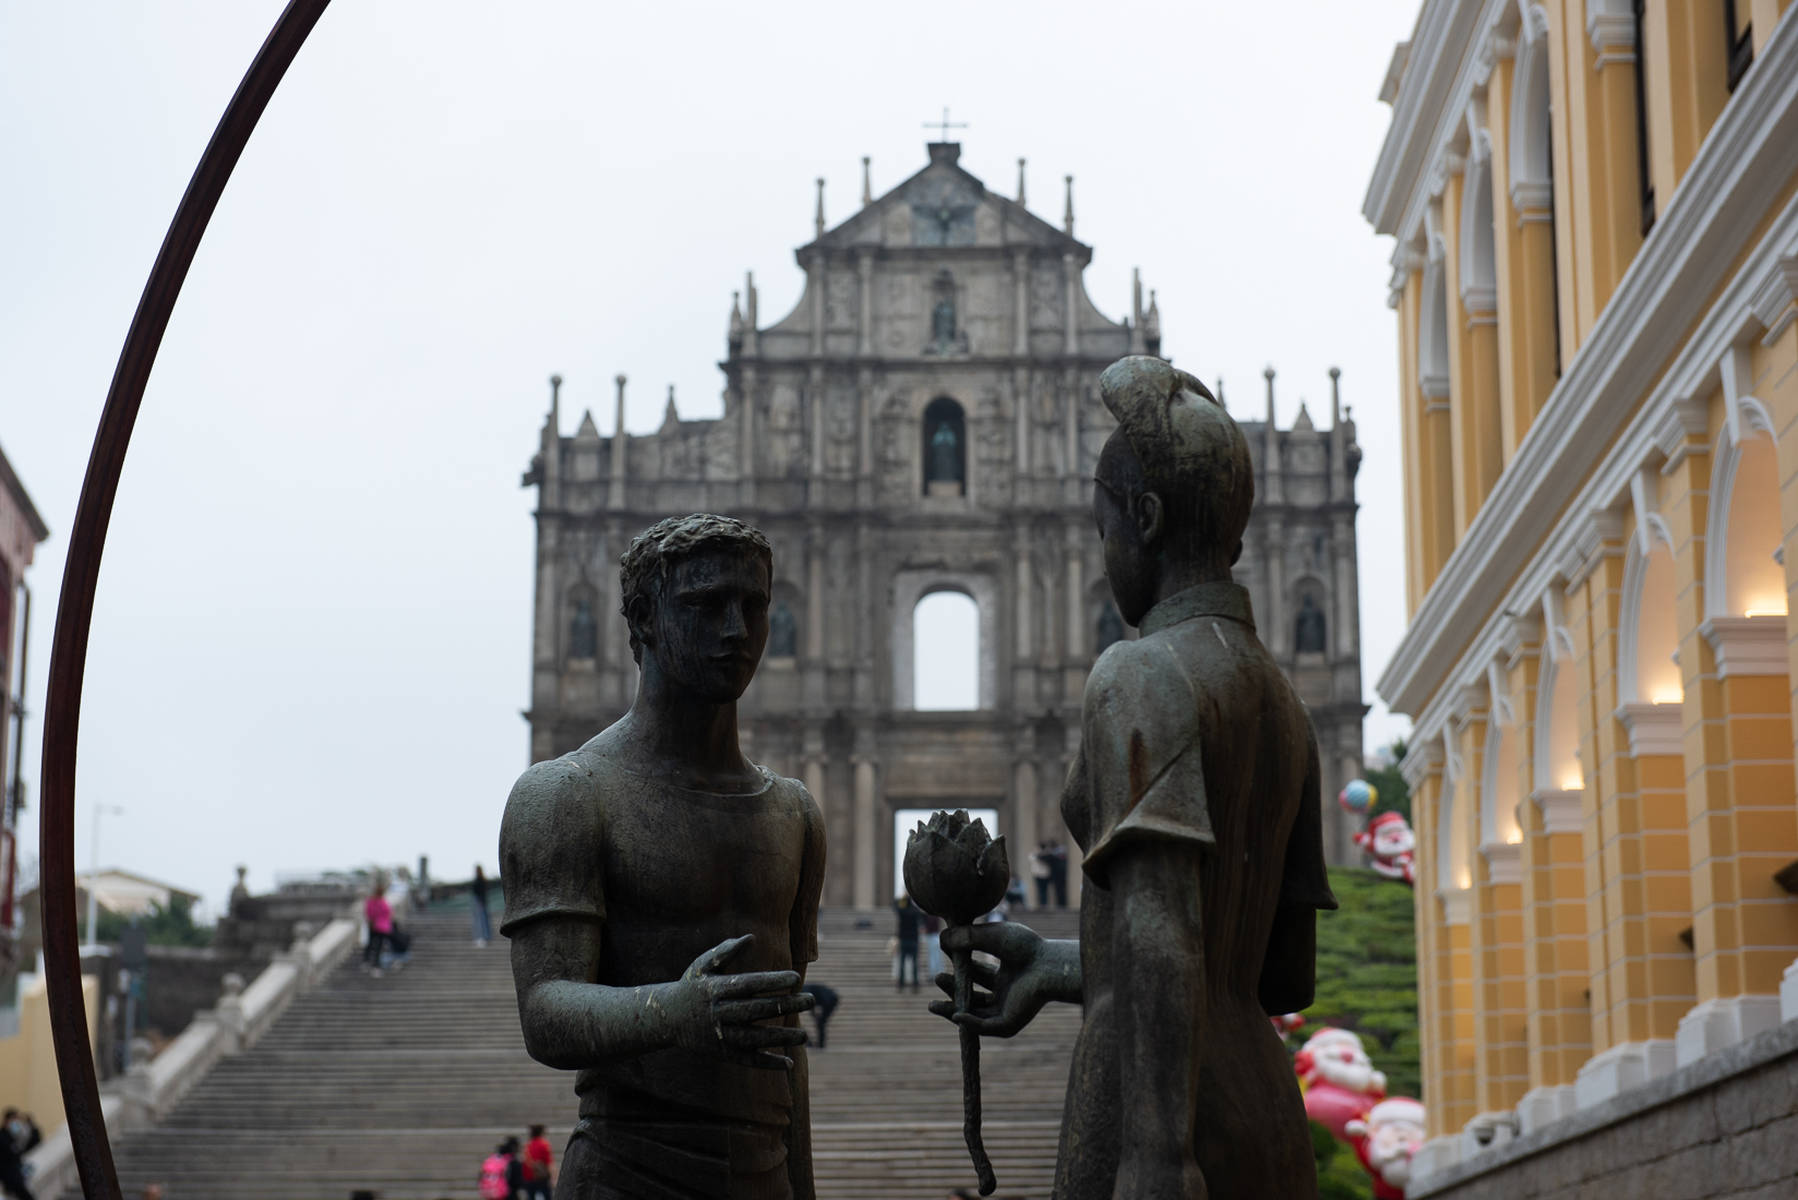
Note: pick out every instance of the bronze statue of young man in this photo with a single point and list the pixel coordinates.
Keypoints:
(1195, 799)
(662, 900)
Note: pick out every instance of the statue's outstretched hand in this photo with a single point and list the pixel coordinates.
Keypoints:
(1007, 997)
(718, 1013)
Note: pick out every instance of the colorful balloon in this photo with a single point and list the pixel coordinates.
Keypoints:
(1358, 796)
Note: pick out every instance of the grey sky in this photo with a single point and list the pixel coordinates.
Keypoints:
(311, 641)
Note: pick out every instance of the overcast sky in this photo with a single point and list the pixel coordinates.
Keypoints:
(311, 644)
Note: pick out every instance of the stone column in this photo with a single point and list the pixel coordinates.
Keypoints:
(1020, 301)
(1274, 622)
(1070, 280)
(864, 388)
(1025, 834)
(864, 269)
(1022, 400)
(615, 485)
(866, 814)
(816, 402)
(1347, 639)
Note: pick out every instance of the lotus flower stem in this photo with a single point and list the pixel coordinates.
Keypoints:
(970, 1075)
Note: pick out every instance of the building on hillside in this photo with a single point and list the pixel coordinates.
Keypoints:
(1596, 213)
(926, 419)
(21, 529)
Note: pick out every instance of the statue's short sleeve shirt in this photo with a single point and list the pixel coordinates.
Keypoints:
(665, 873)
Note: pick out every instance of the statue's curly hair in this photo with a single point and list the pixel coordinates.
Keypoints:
(644, 566)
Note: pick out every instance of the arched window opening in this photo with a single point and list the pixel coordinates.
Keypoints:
(1650, 628)
(1754, 581)
(1557, 730)
(1479, 254)
(1498, 803)
(1310, 626)
(583, 622)
(945, 449)
(783, 625)
(1109, 629)
(1432, 342)
(1532, 156)
(946, 652)
(1455, 864)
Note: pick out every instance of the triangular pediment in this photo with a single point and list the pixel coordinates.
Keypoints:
(943, 205)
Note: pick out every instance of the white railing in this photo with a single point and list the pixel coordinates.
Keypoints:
(151, 1089)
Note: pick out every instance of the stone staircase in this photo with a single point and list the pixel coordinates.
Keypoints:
(401, 1084)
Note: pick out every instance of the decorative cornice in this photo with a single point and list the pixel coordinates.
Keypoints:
(1504, 861)
(1684, 422)
(1560, 809)
(1395, 72)
(1775, 302)
(1659, 336)
(1422, 759)
(1653, 728)
(1521, 639)
(1493, 46)
(1612, 28)
(1434, 387)
(1747, 645)
(1457, 904)
(1470, 705)
(1448, 163)
(1532, 197)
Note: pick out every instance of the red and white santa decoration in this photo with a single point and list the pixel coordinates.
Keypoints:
(1338, 1079)
(1390, 846)
(1386, 1140)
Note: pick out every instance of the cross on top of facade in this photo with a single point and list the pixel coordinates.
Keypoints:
(945, 125)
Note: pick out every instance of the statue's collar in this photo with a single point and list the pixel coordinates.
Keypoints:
(1220, 599)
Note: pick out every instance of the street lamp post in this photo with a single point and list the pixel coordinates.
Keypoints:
(93, 902)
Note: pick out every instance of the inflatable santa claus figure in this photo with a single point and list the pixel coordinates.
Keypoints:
(1337, 1078)
(1386, 1140)
(1390, 846)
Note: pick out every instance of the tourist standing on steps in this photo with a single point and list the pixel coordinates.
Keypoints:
(933, 950)
(477, 898)
(502, 1175)
(539, 1165)
(827, 1000)
(379, 915)
(12, 1159)
(911, 920)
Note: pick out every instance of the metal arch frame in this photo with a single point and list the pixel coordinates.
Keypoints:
(74, 616)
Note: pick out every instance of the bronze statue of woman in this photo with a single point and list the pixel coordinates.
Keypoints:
(1195, 796)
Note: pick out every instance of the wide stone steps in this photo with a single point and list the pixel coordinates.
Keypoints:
(401, 1084)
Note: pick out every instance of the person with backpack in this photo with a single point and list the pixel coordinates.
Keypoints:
(379, 915)
(539, 1165)
(502, 1175)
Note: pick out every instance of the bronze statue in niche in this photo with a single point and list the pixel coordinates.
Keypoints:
(1195, 796)
(677, 1005)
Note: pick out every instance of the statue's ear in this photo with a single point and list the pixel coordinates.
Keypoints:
(1151, 518)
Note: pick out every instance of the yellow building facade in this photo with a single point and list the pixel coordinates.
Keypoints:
(1595, 207)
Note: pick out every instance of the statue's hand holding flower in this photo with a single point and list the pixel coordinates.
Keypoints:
(954, 870)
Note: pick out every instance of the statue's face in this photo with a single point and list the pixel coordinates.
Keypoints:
(1130, 565)
(711, 624)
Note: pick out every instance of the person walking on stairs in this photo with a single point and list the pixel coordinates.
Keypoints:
(539, 1165)
(502, 1175)
(477, 904)
(379, 915)
(911, 919)
(827, 1001)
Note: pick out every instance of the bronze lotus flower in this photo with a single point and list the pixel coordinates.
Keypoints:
(954, 869)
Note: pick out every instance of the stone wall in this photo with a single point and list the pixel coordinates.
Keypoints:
(1725, 1126)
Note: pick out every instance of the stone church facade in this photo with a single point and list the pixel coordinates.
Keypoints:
(926, 419)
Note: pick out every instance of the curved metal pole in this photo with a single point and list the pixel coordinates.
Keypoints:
(68, 651)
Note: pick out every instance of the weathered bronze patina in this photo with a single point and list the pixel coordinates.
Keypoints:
(662, 901)
(1195, 796)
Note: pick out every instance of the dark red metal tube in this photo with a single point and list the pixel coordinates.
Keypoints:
(87, 540)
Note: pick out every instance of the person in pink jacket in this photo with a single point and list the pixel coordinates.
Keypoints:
(379, 915)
